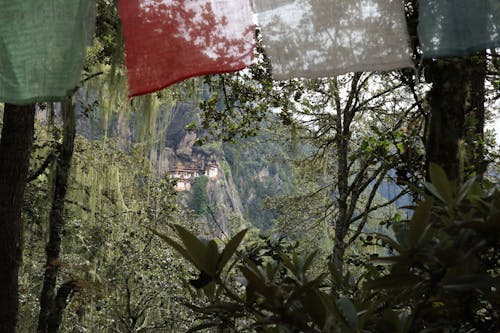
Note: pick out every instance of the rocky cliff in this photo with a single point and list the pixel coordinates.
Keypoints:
(246, 173)
(182, 159)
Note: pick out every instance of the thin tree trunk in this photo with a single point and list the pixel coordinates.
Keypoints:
(342, 220)
(61, 300)
(15, 150)
(53, 249)
(341, 223)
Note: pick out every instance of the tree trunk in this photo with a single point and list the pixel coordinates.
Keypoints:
(61, 300)
(474, 115)
(342, 124)
(446, 101)
(456, 102)
(342, 219)
(15, 150)
(53, 249)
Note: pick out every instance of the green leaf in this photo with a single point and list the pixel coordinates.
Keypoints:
(432, 189)
(230, 249)
(315, 307)
(419, 222)
(401, 147)
(295, 258)
(286, 261)
(465, 189)
(393, 243)
(394, 281)
(178, 247)
(212, 257)
(309, 260)
(471, 281)
(196, 248)
(271, 271)
(224, 307)
(441, 182)
(389, 260)
(348, 312)
(254, 279)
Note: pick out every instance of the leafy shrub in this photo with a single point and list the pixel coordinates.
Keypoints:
(442, 277)
(199, 203)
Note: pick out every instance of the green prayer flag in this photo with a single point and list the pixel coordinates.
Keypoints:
(42, 48)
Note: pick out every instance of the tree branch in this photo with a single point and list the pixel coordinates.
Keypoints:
(50, 157)
(60, 302)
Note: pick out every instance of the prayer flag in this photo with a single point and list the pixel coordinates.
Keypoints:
(170, 40)
(42, 48)
(317, 38)
(459, 27)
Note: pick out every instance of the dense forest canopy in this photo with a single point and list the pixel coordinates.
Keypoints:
(352, 200)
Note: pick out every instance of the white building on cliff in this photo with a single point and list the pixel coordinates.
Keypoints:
(185, 175)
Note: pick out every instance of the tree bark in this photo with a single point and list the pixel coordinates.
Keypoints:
(61, 300)
(446, 101)
(48, 306)
(15, 150)
(474, 114)
(456, 102)
(342, 220)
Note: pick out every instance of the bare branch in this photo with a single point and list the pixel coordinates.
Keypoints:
(50, 157)
(366, 213)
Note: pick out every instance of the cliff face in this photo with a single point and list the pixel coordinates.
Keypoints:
(246, 173)
(261, 170)
(181, 159)
(223, 196)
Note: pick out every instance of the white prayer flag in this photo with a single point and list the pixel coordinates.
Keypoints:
(317, 38)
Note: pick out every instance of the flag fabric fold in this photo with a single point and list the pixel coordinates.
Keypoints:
(458, 28)
(42, 48)
(170, 40)
(318, 38)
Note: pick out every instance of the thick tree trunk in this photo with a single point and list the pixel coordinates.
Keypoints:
(474, 114)
(15, 149)
(456, 102)
(446, 101)
(47, 297)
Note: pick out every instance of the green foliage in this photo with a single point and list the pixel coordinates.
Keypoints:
(118, 266)
(445, 266)
(447, 263)
(238, 102)
(204, 255)
(260, 167)
(279, 295)
(199, 202)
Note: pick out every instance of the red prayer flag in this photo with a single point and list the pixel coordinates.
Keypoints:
(167, 41)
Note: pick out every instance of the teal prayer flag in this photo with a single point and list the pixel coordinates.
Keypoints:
(42, 48)
(458, 27)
